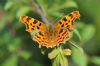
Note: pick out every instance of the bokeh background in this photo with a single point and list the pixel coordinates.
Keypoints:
(17, 47)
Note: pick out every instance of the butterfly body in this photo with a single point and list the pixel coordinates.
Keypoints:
(51, 35)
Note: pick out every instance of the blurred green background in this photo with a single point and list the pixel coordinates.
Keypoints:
(17, 47)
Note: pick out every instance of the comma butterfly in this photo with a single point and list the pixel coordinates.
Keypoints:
(53, 34)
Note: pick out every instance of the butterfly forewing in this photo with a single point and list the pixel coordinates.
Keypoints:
(67, 21)
(32, 24)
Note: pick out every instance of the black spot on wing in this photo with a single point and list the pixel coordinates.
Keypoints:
(40, 24)
(40, 34)
(38, 27)
(64, 19)
(62, 25)
(68, 20)
(66, 23)
(61, 31)
(60, 22)
(68, 26)
(64, 33)
(35, 21)
(28, 19)
(31, 24)
(32, 28)
(71, 15)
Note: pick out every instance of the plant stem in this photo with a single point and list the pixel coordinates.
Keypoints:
(39, 11)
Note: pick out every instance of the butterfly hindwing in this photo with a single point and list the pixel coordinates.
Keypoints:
(67, 21)
(32, 24)
(42, 39)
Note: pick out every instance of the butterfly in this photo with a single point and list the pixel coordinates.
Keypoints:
(50, 35)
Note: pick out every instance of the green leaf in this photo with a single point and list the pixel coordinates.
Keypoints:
(77, 33)
(57, 14)
(95, 60)
(43, 50)
(71, 3)
(88, 32)
(72, 43)
(25, 54)
(56, 61)
(2, 22)
(63, 61)
(66, 51)
(11, 61)
(8, 5)
(53, 53)
(60, 59)
(14, 44)
(66, 4)
(78, 55)
(22, 11)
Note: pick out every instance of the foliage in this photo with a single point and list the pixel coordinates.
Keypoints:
(17, 48)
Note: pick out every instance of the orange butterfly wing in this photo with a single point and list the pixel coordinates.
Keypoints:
(61, 29)
(68, 21)
(32, 24)
(60, 35)
(41, 36)
(64, 26)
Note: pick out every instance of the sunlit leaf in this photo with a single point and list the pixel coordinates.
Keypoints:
(53, 53)
(60, 59)
(67, 51)
(63, 61)
(56, 61)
